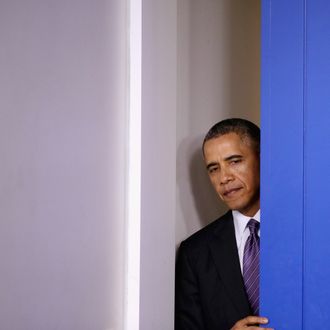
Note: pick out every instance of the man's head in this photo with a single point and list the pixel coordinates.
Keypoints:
(231, 151)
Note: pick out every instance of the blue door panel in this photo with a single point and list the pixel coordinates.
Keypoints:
(317, 167)
(282, 123)
(295, 120)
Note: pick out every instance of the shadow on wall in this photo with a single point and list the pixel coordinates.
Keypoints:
(202, 196)
(218, 78)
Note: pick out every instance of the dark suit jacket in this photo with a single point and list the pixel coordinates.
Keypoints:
(210, 291)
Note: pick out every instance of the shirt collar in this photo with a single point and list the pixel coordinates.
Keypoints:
(240, 222)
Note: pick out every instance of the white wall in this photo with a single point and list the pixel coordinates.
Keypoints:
(218, 77)
(62, 141)
(200, 64)
(158, 164)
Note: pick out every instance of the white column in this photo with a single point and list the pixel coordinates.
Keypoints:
(159, 57)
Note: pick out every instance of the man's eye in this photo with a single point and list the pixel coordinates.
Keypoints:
(235, 161)
(212, 169)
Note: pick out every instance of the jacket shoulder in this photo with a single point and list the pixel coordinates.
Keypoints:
(204, 235)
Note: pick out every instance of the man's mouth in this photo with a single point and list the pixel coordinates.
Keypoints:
(231, 192)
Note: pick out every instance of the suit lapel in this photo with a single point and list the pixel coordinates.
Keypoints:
(224, 251)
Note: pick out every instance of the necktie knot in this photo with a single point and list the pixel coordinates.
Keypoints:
(253, 226)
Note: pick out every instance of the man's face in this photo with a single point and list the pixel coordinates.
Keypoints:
(233, 167)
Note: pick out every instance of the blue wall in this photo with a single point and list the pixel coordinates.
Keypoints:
(295, 120)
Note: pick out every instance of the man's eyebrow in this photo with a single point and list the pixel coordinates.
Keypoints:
(227, 159)
(211, 164)
(231, 157)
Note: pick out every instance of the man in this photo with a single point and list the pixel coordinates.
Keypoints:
(217, 273)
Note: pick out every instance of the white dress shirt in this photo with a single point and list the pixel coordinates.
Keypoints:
(242, 232)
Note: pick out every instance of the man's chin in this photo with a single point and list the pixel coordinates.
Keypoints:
(232, 204)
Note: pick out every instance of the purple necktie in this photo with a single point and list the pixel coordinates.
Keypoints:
(251, 266)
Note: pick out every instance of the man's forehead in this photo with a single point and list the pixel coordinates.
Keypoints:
(228, 140)
(228, 145)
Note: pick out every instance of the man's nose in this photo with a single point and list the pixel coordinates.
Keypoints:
(225, 176)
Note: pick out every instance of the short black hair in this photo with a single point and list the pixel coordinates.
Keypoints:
(242, 127)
